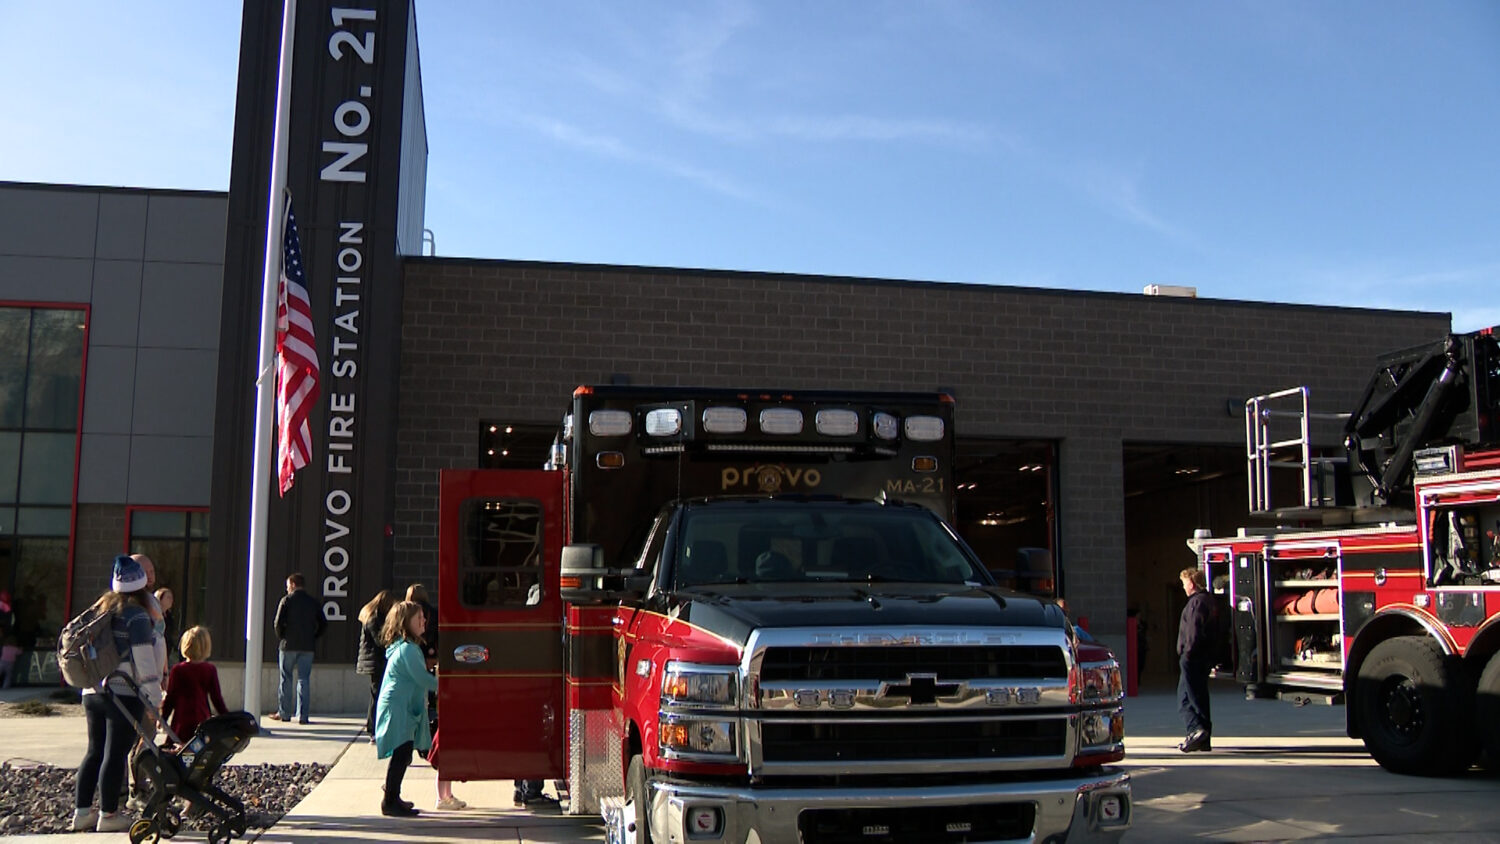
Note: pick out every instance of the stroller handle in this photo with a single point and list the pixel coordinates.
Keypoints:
(145, 701)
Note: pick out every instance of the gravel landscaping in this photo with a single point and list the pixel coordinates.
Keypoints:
(39, 798)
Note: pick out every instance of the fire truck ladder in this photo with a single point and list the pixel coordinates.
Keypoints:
(1263, 453)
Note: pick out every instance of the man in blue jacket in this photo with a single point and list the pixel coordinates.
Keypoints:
(1196, 649)
(299, 623)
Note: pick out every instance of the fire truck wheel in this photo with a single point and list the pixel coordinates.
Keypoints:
(635, 791)
(1487, 712)
(1413, 708)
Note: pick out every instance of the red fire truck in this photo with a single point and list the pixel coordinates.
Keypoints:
(742, 616)
(1380, 586)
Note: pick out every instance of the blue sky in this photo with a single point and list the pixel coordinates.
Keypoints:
(1333, 153)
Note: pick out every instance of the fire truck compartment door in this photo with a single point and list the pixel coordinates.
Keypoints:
(500, 622)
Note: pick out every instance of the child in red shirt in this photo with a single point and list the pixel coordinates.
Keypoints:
(192, 685)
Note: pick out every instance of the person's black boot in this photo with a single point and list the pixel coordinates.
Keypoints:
(386, 800)
(398, 809)
(1197, 741)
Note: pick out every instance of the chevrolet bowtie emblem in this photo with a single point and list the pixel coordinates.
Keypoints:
(920, 688)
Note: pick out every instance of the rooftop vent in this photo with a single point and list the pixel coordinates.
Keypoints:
(1171, 290)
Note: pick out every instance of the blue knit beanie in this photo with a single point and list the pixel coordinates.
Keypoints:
(129, 576)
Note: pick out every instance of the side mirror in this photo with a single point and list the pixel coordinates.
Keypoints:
(586, 580)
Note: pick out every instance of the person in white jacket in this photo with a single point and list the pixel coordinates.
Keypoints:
(111, 733)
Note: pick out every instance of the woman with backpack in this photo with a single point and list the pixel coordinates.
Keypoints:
(111, 731)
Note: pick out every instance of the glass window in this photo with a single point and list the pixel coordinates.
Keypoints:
(55, 368)
(177, 543)
(1462, 546)
(43, 521)
(500, 558)
(15, 328)
(41, 369)
(10, 465)
(41, 581)
(761, 544)
(47, 467)
(158, 523)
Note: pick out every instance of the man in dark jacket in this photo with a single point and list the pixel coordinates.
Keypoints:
(1196, 650)
(299, 623)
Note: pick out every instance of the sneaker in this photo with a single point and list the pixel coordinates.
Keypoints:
(115, 822)
(451, 804)
(277, 716)
(84, 819)
(398, 810)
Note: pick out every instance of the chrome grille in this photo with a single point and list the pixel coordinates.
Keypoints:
(842, 664)
(907, 700)
(891, 740)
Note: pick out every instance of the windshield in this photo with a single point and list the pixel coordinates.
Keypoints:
(819, 544)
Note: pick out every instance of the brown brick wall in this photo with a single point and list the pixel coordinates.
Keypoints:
(510, 340)
(100, 536)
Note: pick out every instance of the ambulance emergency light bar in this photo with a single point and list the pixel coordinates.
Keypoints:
(665, 422)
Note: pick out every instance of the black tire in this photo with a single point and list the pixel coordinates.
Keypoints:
(1413, 706)
(635, 791)
(169, 822)
(1487, 712)
(143, 830)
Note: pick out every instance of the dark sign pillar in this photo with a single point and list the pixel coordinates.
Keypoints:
(357, 161)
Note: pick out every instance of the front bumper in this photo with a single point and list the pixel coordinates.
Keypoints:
(1087, 809)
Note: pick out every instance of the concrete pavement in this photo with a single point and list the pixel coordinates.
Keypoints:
(1277, 772)
(1284, 773)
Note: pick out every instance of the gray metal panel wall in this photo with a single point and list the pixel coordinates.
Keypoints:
(150, 265)
(510, 340)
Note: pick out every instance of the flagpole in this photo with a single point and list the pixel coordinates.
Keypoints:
(265, 381)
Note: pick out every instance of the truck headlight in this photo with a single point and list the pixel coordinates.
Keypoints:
(701, 685)
(698, 735)
(1100, 729)
(1097, 682)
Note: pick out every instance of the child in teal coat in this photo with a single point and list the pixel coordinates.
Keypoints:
(401, 710)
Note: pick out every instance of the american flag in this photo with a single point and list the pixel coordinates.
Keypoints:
(296, 359)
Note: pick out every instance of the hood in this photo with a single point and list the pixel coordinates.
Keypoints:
(734, 611)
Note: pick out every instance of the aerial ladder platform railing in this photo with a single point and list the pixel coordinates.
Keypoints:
(1264, 453)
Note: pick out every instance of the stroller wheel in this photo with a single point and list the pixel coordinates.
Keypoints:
(144, 830)
(169, 822)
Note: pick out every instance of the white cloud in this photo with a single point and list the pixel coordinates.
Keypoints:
(1119, 193)
(608, 146)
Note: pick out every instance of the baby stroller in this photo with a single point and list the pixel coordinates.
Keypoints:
(187, 773)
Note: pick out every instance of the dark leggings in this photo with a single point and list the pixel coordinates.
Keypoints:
(110, 738)
(374, 696)
(396, 771)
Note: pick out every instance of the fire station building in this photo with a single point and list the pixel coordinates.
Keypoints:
(1095, 430)
(1102, 427)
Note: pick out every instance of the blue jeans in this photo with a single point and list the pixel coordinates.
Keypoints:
(301, 661)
